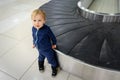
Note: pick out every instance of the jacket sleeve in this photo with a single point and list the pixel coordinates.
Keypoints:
(33, 35)
(52, 36)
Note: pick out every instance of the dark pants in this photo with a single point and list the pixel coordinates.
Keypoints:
(51, 56)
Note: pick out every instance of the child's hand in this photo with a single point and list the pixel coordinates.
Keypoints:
(33, 46)
(53, 46)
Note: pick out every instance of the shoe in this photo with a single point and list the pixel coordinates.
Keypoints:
(54, 71)
(41, 68)
(41, 65)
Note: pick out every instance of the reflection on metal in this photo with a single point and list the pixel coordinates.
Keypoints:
(98, 16)
(86, 71)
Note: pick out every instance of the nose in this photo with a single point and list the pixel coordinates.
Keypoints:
(37, 22)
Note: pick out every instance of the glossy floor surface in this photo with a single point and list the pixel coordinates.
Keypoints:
(18, 61)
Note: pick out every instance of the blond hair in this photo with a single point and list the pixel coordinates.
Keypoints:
(38, 12)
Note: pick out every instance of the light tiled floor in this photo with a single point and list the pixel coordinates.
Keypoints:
(18, 61)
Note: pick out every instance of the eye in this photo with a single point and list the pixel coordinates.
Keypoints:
(34, 20)
(39, 20)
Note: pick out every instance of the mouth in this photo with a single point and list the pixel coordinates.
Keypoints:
(37, 26)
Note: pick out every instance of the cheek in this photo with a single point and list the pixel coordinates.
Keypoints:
(41, 23)
(33, 22)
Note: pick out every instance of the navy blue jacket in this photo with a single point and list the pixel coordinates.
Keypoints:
(43, 38)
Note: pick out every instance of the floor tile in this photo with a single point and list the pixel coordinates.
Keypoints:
(34, 74)
(4, 2)
(6, 43)
(71, 77)
(17, 13)
(12, 21)
(21, 31)
(19, 59)
(4, 76)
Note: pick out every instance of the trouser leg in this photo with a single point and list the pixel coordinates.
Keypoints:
(52, 58)
(41, 61)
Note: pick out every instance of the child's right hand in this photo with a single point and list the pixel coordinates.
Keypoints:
(33, 46)
(53, 46)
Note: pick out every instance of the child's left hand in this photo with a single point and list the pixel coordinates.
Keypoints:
(53, 46)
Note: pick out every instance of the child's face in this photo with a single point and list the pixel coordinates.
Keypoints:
(38, 21)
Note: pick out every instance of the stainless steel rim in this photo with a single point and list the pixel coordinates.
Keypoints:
(92, 15)
(84, 70)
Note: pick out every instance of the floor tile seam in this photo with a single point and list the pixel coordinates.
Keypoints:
(7, 51)
(8, 36)
(68, 76)
(8, 74)
(12, 37)
(27, 69)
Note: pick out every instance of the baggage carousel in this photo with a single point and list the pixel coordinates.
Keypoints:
(87, 48)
